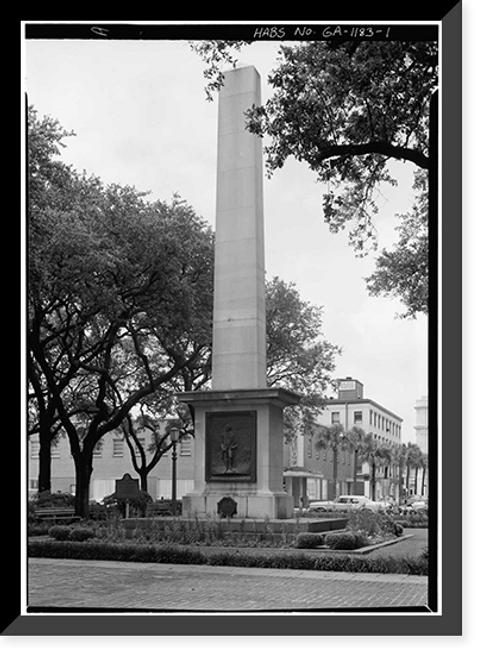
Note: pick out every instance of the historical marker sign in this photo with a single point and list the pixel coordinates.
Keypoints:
(127, 488)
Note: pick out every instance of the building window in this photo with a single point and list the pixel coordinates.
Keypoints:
(309, 447)
(335, 417)
(186, 446)
(98, 450)
(55, 451)
(34, 449)
(118, 443)
(370, 418)
(357, 417)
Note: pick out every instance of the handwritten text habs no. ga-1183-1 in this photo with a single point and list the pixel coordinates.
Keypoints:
(327, 32)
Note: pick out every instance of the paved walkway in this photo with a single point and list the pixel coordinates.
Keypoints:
(73, 584)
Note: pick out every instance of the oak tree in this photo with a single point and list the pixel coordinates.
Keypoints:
(346, 109)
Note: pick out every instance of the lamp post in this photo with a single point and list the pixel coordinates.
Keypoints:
(174, 438)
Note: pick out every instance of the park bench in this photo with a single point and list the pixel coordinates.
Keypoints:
(56, 514)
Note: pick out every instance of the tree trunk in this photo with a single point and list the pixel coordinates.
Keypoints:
(373, 481)
(400, 483)
(44, 461)
(45, 443)
(422, 482)
(84, 469)
(355, 473)
(143, 473)
(335, 472)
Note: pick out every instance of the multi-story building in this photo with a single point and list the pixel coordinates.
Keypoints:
(351, 409)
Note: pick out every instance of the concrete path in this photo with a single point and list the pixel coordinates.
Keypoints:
(73, 584)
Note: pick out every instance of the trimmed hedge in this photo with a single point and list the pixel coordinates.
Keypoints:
(309, 540)
(291, 560)
(76, 533)
(347, 540)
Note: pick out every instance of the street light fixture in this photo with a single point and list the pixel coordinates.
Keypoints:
(174, 438)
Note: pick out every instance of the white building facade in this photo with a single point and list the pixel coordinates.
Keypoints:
(111, 461)
(351, 409)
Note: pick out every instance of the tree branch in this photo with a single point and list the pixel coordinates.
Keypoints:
(382, 148)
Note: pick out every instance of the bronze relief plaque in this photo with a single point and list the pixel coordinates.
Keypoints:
(231, 446)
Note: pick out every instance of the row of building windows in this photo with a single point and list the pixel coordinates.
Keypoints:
(117, 451)
(375, 419)
(383, 423)
(342, 455)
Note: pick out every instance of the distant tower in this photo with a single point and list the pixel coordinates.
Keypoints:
(421, 426)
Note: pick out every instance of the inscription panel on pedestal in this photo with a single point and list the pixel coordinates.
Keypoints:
(230, 446)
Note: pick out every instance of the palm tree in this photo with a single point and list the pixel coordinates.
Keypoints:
(395, 452)
(401, 456)
(418, 463)
(357, 440)
(370, 452)
(335, 438)
(412, 455)
(424, 466)
(385, 458)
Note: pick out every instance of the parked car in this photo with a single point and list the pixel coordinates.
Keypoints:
(414, 503)
(388, 504)
(346, 502)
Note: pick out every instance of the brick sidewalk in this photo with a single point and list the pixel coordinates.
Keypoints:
(73, 584)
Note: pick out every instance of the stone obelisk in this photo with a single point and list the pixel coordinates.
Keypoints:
(239, 335)
(238, 425)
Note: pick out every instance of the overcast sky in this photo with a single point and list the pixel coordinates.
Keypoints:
(141, 118)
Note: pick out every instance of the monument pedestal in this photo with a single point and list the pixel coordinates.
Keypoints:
(238, 452)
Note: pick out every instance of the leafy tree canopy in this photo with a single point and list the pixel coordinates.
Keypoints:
(345, 109)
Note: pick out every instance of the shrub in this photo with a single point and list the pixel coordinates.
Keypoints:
(38, 528)
(378, 525)
(309, 540)
(52, 500)
(347, 540)
(417, 519)
(60, 532)
(138, 505)
(363, 520)
(97, 511)
(80, 534)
